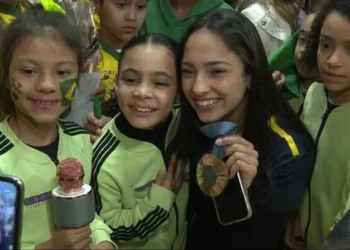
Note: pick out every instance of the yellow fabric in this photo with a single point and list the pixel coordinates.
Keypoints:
(108, 69)
(7, 19)
(278, 130)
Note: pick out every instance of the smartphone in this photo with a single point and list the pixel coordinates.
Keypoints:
(11, 203)
(233, 206)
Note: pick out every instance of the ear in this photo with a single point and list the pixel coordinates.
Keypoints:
(248, 81)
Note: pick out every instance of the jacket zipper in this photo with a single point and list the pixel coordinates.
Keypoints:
(318, 136)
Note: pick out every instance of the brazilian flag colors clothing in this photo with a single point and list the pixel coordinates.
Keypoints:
(330, 183)
(38, 172)
(141, 214)
(108, 69)
(9, 12)
(161, 17)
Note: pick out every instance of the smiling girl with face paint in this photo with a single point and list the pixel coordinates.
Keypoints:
(42, 54)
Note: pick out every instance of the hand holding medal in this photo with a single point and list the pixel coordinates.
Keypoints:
(213, 174)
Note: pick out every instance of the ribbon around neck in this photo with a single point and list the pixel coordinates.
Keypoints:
(217, 130)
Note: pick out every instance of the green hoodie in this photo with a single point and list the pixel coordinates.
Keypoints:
(283, 60)
(161, 17)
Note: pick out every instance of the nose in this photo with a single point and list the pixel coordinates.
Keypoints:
(334, 59)
(200, 85)
(142, 91)
(48, 83)
(130, 14)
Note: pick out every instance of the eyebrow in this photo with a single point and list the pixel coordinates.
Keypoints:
(131, 70)
(30, 60)
(212, 63)
(158, 73)
(328, 37)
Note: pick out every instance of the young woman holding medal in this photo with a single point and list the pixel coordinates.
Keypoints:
(42, 54)
(227, 88)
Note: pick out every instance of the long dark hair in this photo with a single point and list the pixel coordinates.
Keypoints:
(264, 100)
(340, 6)
(38, 23)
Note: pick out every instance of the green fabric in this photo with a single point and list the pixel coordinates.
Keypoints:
(51, 5)
(68, 89)
(161, 17)
(10, 9)
(283, 60)
(110, 50)
(141, 214)
(330, 194)
(38, 173)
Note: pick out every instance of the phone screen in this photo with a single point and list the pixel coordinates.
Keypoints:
(10, 212)
(233, 205)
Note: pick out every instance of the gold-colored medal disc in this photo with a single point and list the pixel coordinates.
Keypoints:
(212, 175)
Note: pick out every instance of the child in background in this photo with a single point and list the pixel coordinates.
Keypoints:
(173, 17)
(120, 21)
(287, 60)
(134, 151)
(326, 114)
(42, 54)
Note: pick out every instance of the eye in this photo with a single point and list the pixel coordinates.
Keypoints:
(142, 7)
(161, 83)
(186, 71)
(121, 4)
(217, 72)
(302, 39)
(28, 71)
(64, 73)
(324, 45)
(129, 80)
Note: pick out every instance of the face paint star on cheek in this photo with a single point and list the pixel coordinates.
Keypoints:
(16, 89)
(68, 89)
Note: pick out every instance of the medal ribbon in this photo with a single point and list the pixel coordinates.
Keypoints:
(217, 130)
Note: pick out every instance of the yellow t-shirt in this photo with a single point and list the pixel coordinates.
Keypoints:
(108, 69)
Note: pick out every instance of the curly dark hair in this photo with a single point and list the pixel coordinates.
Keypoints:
(328, 6)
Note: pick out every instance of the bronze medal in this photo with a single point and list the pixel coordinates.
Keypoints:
(212, 175)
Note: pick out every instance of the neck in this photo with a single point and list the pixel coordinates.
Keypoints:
(237, 116)
(182, 7)
(113, 41)
(31, 133)
(339, 98)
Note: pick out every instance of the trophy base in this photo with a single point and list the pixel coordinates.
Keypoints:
(73, 211)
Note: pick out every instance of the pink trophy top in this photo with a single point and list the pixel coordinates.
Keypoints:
(70, 175)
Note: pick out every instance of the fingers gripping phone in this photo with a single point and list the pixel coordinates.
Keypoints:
(11, 203)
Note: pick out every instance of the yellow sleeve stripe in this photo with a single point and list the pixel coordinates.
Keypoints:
(278, 130)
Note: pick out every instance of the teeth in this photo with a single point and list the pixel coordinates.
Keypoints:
(207, 103)
(145, 110)
(45, 102)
